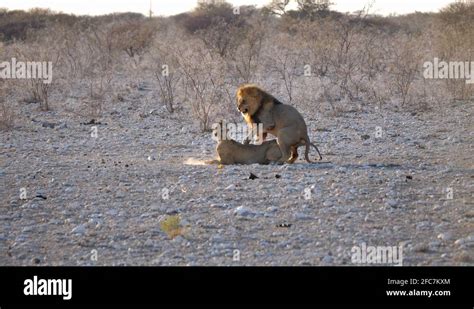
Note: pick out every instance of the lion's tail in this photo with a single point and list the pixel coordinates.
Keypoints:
(306, 153)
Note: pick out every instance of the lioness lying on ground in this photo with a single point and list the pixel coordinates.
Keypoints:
(232, 152)
(278, 119)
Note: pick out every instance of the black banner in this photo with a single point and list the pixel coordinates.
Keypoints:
(65, 286)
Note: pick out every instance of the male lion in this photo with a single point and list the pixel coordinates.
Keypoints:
(278, 119)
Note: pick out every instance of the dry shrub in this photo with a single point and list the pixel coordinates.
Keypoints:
(205, 77)
(245, 59)
(165, 65)
(44, 49)
(405, 66)
(7, 113)
(17, 25)
(220, 37)
(354, 59)
(333, 52)
(206, 15)
(339, 53)
(361, 60)
(217, 25)
(168, 75)
(89, 62)
(286, 64)
(456, 42)
(133, 37)
(278, 7)
(346, 66)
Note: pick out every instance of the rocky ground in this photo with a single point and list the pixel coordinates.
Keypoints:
(101, 201)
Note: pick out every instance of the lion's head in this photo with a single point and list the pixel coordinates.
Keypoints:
(249, 99)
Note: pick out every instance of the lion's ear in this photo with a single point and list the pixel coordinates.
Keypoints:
(247, 91)
(242, 91)
(253, 91)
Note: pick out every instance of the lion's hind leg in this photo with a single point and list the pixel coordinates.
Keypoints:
(294, 154)
(286, 140)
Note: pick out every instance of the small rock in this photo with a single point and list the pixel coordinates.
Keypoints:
(20, 238)
(253, 176)
(217, 238)
(445, 236)
(112, 212)
(120, 195)
(434, 245)
(95, 222)
(48, 125)
(327, 259)
(302, 216)
(230, 187)
(27, 229)
(219, 205)
(30, 205)
(179, 239)
(42, 197)
(468, 241)
(172, 212)
(272, 209)
(36, 261)
(328, 204)
(392, 203)
(242, 211)
(79, 230)
(422, 247)
(423, 225)
(62, 126)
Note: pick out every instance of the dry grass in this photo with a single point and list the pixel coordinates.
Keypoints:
(355, 60)
(171, 225)
(7, 116)
(464, 257)
(7, 112)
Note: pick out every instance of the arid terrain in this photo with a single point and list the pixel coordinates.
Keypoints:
(104, 165)
(107, 193)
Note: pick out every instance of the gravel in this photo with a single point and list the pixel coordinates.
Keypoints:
(110, 193)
